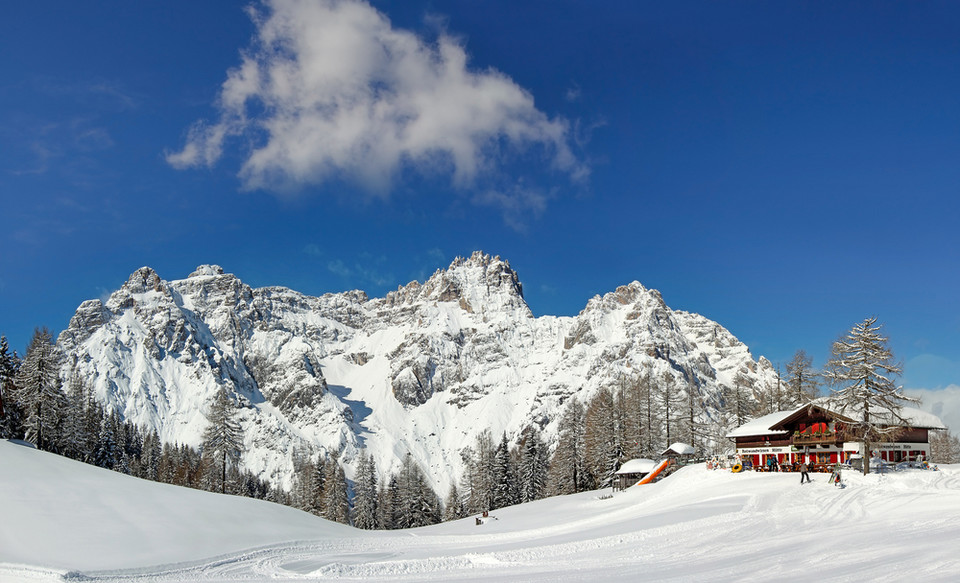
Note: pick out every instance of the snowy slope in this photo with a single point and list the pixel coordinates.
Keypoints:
(696, 525)
(422, 370)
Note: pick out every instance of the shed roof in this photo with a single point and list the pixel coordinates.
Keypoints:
(680, 449)
(637, 466)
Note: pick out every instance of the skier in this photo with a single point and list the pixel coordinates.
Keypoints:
(803, 473)
(835, 476)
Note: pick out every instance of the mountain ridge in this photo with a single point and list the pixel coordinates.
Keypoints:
(422, 370)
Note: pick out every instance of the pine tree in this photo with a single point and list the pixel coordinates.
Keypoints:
(336, 506)
(152, 453)
(453, 507)
(11, 415)
(602, 450)
(414, 501)
(568, 472)
(385, 507)
(365, 493)
(223, 438)
(38, 383)
(90, 418)
(308, 489)
(802, 385)
(106, 451)
(166, 467)
(533, 466)
(75, 442)
(861, 366)
(505, 490)
(477, 482)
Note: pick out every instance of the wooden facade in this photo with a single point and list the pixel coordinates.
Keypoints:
(819, 437)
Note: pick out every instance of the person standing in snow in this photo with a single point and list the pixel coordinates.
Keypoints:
(803, 472)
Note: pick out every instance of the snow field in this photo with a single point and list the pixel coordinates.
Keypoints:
(696, 525)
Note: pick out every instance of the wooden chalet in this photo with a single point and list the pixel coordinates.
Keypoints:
(814, 434)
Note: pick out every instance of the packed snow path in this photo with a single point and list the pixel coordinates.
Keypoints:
(697, 525)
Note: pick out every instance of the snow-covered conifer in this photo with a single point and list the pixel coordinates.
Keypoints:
(336, 506)
(602, 450)
(38, 385)
(568, 472)
(385, 505)
(106, 452)
(150, 463)
(476, 485)
(10, 413)
(861, 368)
(365, 493)
(414, 501)
(74, 440)
(223, 437)
(453, 507)
(505, 489)
(532, 466)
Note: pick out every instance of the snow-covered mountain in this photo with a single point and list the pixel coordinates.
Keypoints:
(421, 371)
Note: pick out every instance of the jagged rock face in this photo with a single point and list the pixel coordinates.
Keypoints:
(422, 370)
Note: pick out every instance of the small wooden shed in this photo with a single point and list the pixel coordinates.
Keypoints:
(681, 453)
(632, 472)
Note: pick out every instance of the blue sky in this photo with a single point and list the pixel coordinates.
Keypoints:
(786, 169)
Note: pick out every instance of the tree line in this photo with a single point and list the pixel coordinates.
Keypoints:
(640, 415)
(69, 421)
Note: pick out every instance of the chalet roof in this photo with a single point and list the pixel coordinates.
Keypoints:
(637, 466)
(912, 416)
(680, 449)
(764, 425)
(773, 424)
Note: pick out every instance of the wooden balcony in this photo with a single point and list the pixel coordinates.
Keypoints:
(828, 437)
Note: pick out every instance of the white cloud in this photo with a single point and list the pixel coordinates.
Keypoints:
(944, 403)
(330, 90)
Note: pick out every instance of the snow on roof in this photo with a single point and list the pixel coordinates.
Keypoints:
(681, 449)
(762, 425)
(637, 466)
(914, 417)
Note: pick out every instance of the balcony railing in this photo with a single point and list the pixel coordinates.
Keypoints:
(817, 438)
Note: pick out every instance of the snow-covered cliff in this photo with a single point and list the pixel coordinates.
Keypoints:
(422, 370)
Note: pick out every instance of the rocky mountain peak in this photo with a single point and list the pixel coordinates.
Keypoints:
(479, 283)
(206, 271)
(143, 280)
